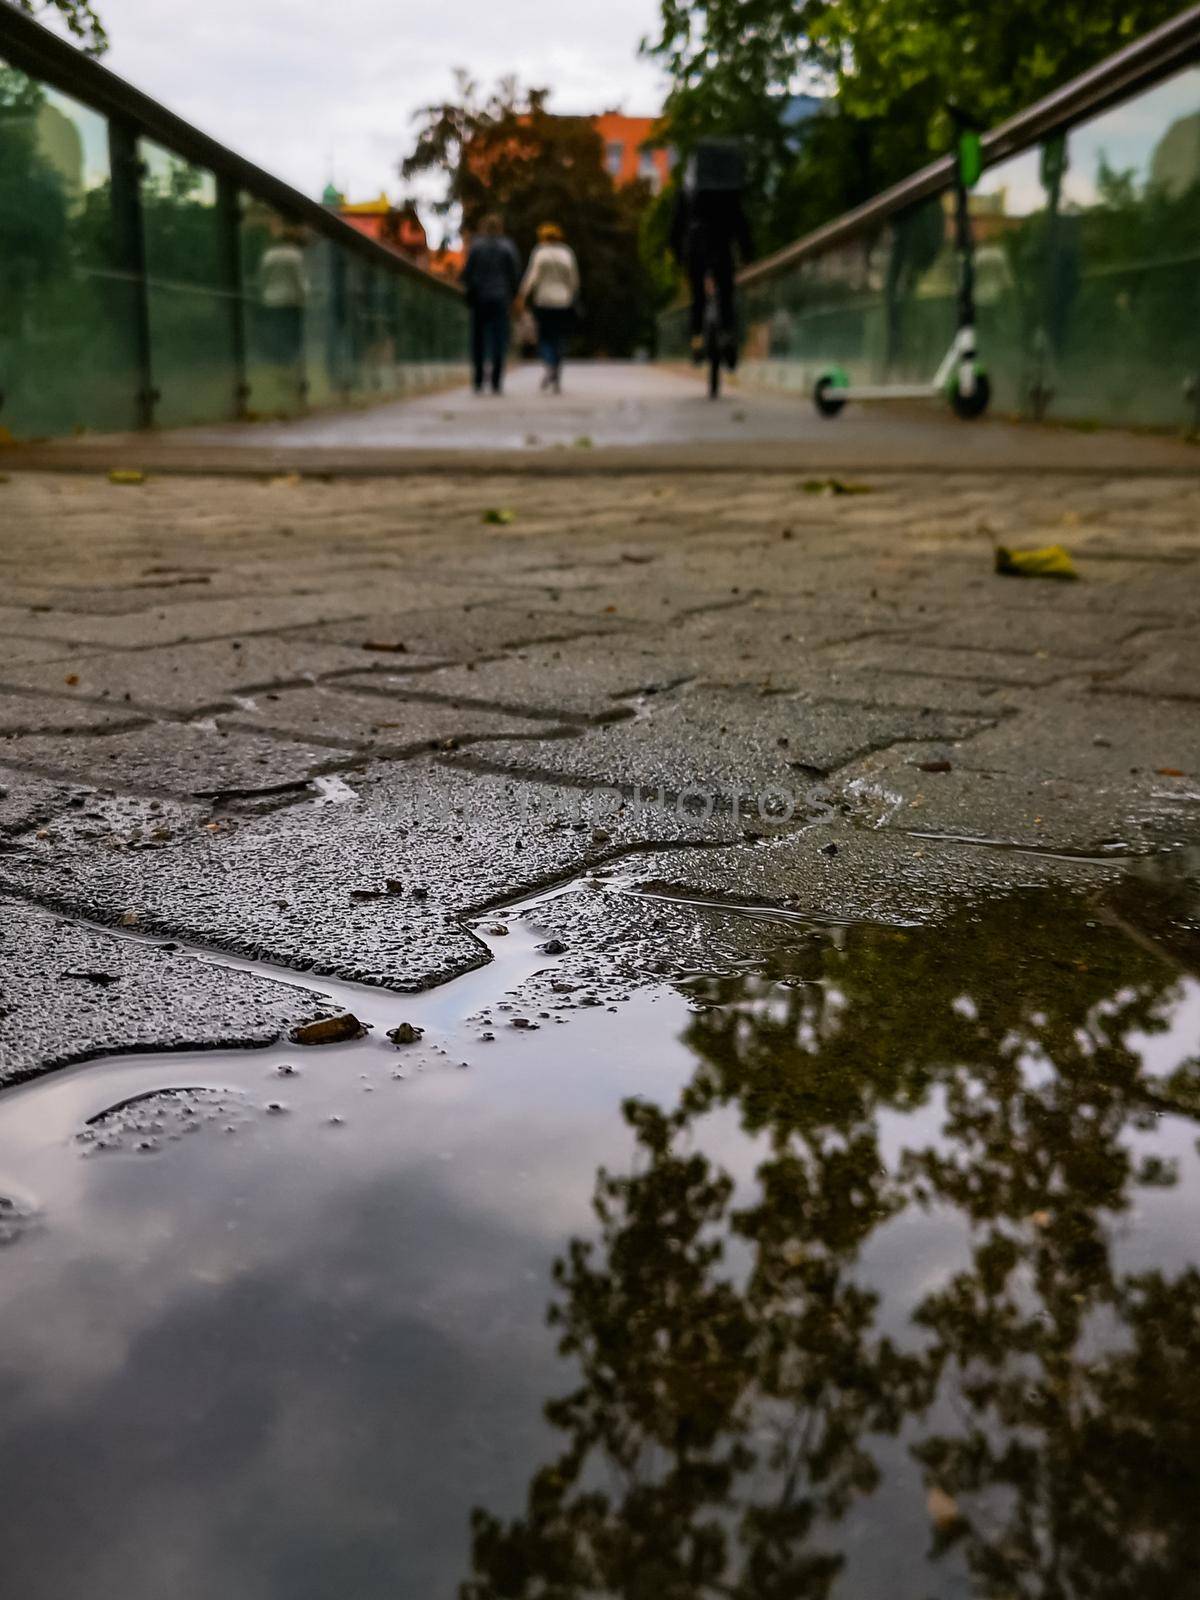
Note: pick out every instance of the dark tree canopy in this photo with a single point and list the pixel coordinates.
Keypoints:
(81, 19)
(506, 152)
(888, 68)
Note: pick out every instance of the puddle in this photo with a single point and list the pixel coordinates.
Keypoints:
(862, 1263)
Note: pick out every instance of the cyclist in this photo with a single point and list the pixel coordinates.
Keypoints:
(707, 225)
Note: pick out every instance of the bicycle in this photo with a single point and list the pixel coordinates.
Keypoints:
(713, 352)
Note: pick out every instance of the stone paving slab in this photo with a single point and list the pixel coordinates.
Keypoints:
(1169, 668)
(565, 679)
(1114, 741)
(72, 993)
(844, 624)
(27, 802)
(1017, 668)
(727, 743)
(308, 887)
(378, 722)
(179, 623)
(193, 678)
(19, 652)
(1027, 808)
(36, 713)
(461, 633)
(874, 876)
(177, 758)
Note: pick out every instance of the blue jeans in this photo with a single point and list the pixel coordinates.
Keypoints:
(489, 341)
(554, 324)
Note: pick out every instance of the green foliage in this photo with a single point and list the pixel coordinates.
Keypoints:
(888, 67)
(33, 207)
(506, 152)
(81, 19)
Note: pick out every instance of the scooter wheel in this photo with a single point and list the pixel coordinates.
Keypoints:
(969, 406)
(825, 397)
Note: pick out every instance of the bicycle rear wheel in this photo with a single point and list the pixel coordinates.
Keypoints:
(712, 354)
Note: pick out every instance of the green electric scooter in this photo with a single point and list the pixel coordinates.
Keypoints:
(959, 379)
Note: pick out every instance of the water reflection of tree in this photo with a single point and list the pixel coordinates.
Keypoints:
(733, 1367)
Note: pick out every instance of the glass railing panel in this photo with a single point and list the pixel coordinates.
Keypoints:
(191, 304)
(67, 340)
(276, 302)
(1128, 268)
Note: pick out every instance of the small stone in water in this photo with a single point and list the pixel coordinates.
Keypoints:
(328, 1030)
(405, 1033)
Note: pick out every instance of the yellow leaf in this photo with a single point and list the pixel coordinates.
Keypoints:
(1051, 561)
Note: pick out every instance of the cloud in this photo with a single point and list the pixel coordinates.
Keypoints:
(312, 92)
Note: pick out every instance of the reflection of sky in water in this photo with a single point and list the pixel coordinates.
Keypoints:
(288, 1361)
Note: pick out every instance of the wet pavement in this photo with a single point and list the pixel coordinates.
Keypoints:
(618, 416)
(790, 1188)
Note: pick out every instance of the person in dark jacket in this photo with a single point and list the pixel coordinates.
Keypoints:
(490, 278)
(707, 225)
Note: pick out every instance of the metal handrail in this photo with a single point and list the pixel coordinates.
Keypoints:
(1170, 46)
(32, 48)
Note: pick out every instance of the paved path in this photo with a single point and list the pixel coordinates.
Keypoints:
(235, 712)
(624, 417)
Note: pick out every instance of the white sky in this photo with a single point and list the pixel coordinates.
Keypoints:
(311, 90)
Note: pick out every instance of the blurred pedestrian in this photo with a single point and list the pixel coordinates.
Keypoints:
(708, 224)
(490, 278)
(283, 294)
(551, 288)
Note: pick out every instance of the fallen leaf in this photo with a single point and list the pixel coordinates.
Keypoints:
(942, 1508)
(583, 442)
(1050, 561)
(498, 516)
(1169, 772)
(71, 679)
(285, 480)
(126, 475)
(1040, 1219)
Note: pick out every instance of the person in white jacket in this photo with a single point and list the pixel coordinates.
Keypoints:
(550, 288)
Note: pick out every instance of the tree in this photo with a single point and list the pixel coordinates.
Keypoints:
(888, 68)
(506, 152)
(81, 18)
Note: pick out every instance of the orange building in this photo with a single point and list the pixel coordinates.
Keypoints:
(624, 156)
(397, 228)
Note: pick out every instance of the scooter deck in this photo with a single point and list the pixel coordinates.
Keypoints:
(887, 391)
